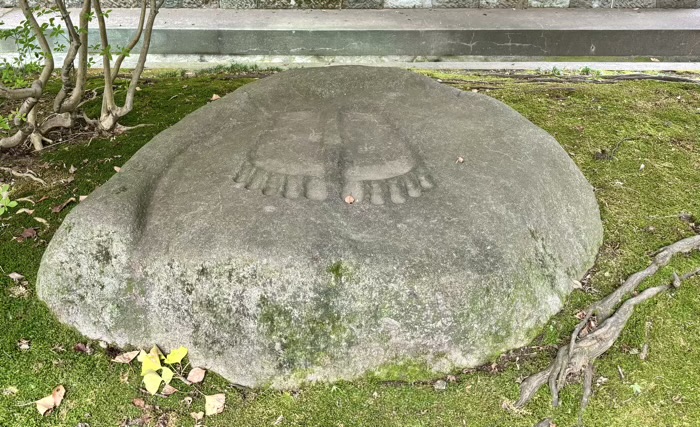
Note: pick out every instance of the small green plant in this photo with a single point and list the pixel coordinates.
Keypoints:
(556, 71)
(586, 71)
(5, 202)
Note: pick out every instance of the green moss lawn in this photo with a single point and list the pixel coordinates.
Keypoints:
(638, 143)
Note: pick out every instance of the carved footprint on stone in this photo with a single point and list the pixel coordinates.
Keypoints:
(288, 159)
(377, 164)
(308, 152)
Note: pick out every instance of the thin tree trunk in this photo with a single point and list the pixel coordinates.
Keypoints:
(31, 95)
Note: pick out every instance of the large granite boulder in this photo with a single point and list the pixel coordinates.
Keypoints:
(232, 232)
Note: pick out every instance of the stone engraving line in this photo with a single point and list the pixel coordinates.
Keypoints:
(356, 154)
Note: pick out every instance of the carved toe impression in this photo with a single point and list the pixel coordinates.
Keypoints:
(288, 158)
(377, 163)
(303, 151)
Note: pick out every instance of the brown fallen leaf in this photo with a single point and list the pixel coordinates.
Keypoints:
(16, 277)
(25, 211)
(28, 233)
(81, 198)
(63, 205)
(126, 357)
(214, 404)
(117, 169)
(169, 390)
(139, 403)
(24, 345)
(215, 97)
(196, 375)
(72, 169)
(198, 416)
(83, 348)
(45, 405)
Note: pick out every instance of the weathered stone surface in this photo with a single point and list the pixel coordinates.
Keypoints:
(619, 4)
(301, 4)
(228, 233)
(503, 4)
(406, 4)
(548, 3)
(676, 4)
(455, 3)
(363, 4)
(238, 4)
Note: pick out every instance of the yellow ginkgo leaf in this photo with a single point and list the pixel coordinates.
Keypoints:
(150, 363)
(167, 375)
(156, 350)
(176, 356)
(142, 355)
(152, 382)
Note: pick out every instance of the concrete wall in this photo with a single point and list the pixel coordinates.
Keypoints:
(393, 4)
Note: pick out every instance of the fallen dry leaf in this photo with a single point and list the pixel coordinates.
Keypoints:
(16, 277)
(18, 291)
(83, 348)
(63, 205)
(214, 404)
(81, 198)
(117, 169)
(46, 404)
(72, 169)
(460, 159)
(196, 375)
(10, 391)
(28, 233)
(139, 403)
(126, 357)
(24, 345)
(25, 199)
(654, 59)
(198, 416)
(215, 97)
(349, 200)
(169, 390)
(58, 394)
(25, 211)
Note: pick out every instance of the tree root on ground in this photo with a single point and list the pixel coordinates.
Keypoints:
(28, 175)
(600, 328)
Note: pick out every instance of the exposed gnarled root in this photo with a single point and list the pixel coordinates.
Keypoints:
(581, 352)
